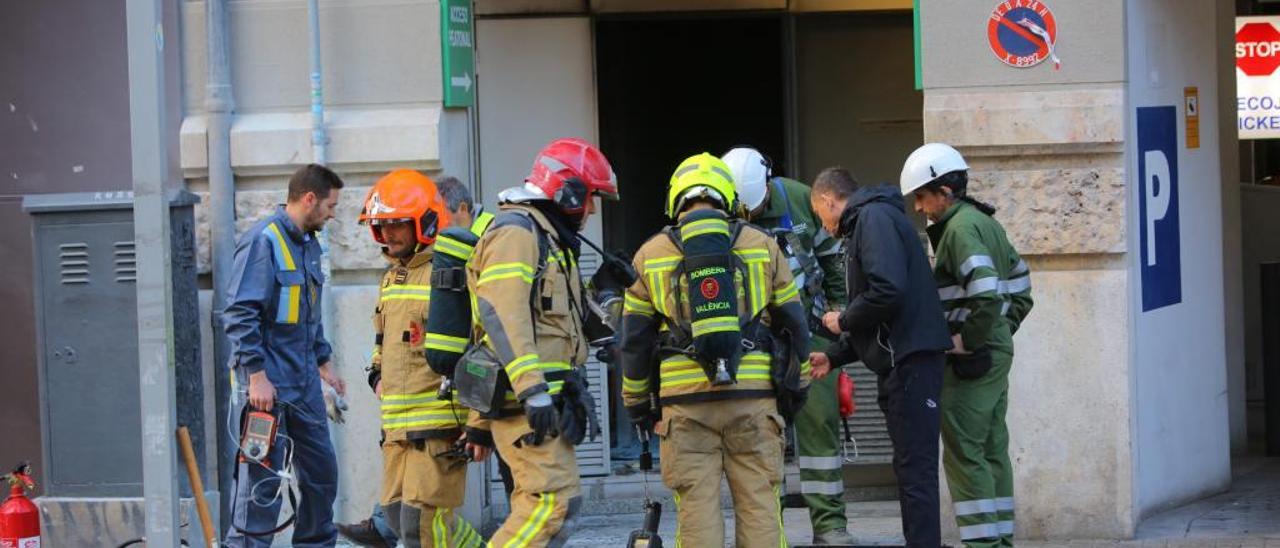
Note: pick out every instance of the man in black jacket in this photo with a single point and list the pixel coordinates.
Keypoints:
(894, 324)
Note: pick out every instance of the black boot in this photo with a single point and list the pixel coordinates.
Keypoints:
(363, 534)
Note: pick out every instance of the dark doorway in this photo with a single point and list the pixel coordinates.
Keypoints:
(671, 88)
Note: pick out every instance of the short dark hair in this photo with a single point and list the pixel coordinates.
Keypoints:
(313, 178)
(454, 193)
(835, 181)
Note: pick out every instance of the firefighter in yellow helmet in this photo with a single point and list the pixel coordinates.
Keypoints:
(424, 465)
(715, 337)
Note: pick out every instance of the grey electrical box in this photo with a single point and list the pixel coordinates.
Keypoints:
(86, 325)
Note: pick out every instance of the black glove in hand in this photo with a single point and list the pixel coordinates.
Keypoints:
(543, 419)
(578, 418)
(642, 416)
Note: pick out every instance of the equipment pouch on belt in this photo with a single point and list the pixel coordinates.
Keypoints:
(709, 268)
(481, 382)
(449, 322)
(973, 365)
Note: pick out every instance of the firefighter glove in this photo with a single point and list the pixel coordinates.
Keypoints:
(642, 416)
(543, 419)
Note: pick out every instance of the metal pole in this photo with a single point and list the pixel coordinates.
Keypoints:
(219, 104)
(149, 147)
(318, 137)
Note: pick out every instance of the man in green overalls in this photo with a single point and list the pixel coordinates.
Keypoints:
(781, 206)
(985, 289)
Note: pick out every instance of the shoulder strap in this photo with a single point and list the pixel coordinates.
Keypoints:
(786, 203)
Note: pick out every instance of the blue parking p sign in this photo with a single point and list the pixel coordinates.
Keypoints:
(1159, 236)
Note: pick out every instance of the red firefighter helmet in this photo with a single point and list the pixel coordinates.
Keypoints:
(569, 172)
(404, 195)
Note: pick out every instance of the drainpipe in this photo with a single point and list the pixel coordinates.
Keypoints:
(219, 103)
(319, 155)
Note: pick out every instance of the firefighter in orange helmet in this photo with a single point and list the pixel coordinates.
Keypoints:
(424, 466)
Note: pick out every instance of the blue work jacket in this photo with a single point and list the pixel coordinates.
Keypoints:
(273, 306)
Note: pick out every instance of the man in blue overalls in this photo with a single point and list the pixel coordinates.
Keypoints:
(279, 357)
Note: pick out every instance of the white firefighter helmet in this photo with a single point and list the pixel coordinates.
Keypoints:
(927, 163)
(750, 175)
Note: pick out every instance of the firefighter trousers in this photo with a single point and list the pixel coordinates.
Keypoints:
(975, 443)
(421, 489)
(705, 442)
(818, 454)
(545, 501)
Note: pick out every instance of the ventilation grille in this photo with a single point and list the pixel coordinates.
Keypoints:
(126, 262)
(74, 263)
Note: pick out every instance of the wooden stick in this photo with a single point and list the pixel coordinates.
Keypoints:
(197, 487)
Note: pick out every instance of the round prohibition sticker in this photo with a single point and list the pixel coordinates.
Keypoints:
(1022, 33)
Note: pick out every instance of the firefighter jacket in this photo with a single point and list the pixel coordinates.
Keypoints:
(789, 211)
(984, 285)
(411, 408)
(527, 302)
(765, 288)
(273, 306)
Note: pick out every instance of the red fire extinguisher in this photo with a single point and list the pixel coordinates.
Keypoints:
(19, 517)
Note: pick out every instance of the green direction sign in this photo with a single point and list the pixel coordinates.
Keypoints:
(458, 53)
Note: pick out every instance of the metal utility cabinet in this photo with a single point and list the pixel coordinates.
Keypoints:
(86, 325)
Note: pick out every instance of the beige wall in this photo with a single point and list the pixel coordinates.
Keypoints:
(1046, 148)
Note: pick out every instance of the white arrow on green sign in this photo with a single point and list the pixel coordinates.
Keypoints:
(458, 54)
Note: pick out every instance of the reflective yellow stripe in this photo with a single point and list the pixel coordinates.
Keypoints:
(704, 226)
(407, 292)
(481, 223)
(753, 255)
(447, 343)
(636, 305)
(723, 324)
(438, 532)
(777, 499)
(634, 386)
(452, 247)
(295, 298)
(786, 293)
(535, 523)
(503, 271)
(281, 248)
(521, 364)
(662, 263)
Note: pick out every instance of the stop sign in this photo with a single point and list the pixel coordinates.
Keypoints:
(1258, 49)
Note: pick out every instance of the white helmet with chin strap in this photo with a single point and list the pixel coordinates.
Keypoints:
(750, 175)
(927, 163)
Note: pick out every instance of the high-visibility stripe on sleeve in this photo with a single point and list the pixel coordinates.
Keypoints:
(521, 365)
(635, 305)
(1016, 285)
(975, 261)
(504, 271)
(752, 255)
(786, 293)
(982, 285)
(635, 386)
(1020, 268)
(447, 343)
